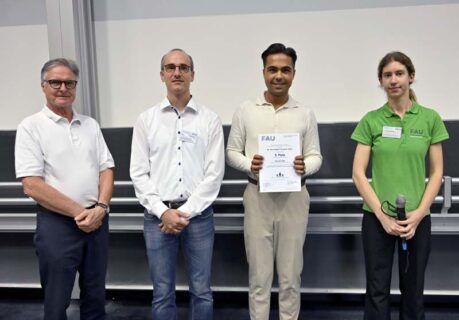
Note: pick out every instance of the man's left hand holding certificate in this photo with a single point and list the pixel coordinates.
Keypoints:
(279, 151)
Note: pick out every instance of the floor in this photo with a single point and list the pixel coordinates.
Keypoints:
(227, 307)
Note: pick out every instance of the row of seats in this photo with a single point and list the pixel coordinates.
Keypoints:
(333, 194)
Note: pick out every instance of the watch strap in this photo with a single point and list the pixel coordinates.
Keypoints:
(103, 206)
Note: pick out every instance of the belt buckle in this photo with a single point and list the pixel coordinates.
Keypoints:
(173, 205)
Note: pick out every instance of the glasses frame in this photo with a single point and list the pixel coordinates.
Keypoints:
(69, 84)
(183, 68)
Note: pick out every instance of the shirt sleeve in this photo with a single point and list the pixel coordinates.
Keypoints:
(145, 189)
(362, 132)
(235, 149)
(311, 147)
(105, 157)
(439, 132)
(214, 168)
(28, 155)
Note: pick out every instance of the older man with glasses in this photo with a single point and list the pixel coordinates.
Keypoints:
(65, 166)
(177, 165)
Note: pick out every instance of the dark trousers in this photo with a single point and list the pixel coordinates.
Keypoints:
(378, 248)
(62, 250)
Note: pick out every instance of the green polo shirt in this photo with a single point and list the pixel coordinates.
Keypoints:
(398, 150)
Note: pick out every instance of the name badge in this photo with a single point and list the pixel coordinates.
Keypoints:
(392, 132)
(188, 136)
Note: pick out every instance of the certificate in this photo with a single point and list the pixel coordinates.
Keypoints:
(279, 151)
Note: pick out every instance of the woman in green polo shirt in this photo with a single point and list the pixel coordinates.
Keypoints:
(397, 137)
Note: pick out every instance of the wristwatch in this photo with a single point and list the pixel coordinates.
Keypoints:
(104, 206)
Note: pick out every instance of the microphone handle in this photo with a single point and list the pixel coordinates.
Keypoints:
(401, 215)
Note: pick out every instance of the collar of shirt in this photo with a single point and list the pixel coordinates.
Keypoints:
(389, 113)
(291, 103)
(56, 118)
(190, 105)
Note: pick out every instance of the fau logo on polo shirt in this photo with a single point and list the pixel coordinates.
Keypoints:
(416, 133)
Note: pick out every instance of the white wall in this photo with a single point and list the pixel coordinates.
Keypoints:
(336, 69)
(24, 49)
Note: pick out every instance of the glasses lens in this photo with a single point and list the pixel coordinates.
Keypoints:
(70, 84)
(169, 68)
(184, 68)
(55, 84)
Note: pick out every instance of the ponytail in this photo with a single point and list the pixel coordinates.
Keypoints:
(413, 96)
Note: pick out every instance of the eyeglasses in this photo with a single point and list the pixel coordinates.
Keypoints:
(183, 68)
(56, 84)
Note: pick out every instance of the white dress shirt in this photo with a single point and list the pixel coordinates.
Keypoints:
(69, 156)
(260, 117)
(176, 157)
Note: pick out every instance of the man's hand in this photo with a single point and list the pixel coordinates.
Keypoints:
(173, 221)
(257, 164)
(90, 219)
(298, 164)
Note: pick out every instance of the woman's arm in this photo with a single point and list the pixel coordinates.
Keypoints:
(431, 191)
(359, 167)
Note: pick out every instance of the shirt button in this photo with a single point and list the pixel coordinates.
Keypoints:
(178, 148)
(181, 196)
(180, 117)
(178, 132)
(179, 163)
(180, 180)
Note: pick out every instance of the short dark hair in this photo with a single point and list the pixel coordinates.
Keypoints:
(278, 48)
(59, 62)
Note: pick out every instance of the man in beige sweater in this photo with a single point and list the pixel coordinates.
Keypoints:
(274, 223)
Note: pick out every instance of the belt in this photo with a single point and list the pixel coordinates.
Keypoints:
(174, 204)
(255, 182)
(43, 209)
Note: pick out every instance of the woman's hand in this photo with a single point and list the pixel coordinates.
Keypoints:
(390, 225)
(411, 223)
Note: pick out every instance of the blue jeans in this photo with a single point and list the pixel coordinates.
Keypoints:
(197, 241)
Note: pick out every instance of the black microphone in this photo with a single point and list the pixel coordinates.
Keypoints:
(400, 203)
